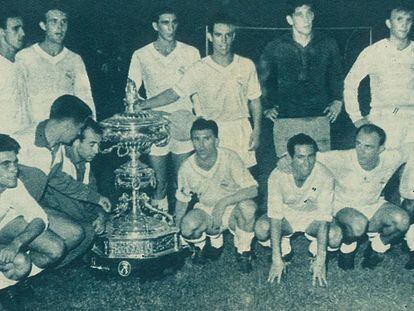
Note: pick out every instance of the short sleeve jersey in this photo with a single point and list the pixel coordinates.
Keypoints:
(354, 186)
(223, 92)
(314, 198)
(226, 177)
(159, 72)
(18, 201)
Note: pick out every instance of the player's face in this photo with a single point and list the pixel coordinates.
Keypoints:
(303, 160)
(400, 24)
(222, 38)
(72, 131)
(205, 143)
(302, 20)
(166, 26)
(14, 33)
(368, 148)
(88, 148)
(56, 26)
(8, 170)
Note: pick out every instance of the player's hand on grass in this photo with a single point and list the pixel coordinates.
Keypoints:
(105, 204)
(271, 114)
(254, 140)
(361, 122)
(217, 215)
(318, 270)
(277, 269)
(8, 253)
(333, 111)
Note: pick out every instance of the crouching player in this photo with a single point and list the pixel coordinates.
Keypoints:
(224, 189)
(22, 224)
(299, 201)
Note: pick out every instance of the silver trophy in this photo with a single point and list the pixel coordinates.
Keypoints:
(138, 231)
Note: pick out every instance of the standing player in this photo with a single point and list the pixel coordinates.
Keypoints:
(160, 65)
(225, 191)
(390, 65)
(360, 176)
(227, 89)
(14, 112)
(52, 70)
(299, 201)
(301, 78)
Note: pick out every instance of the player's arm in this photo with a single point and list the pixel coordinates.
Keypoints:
(275, 214)
(358, 72)
(255, 108)
(318, 267)
(83, 87)
(19, 243)
(163, 99)
(270, 110)
(335, 83)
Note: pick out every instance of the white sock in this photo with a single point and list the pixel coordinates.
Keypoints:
(266, 243)
(409, 237)
(200, 242)
(217, 241)
(332, 249)
(348, 248)
(285, 246)
(377, 244)
(5, 282)
(35, 270)
(244, 240)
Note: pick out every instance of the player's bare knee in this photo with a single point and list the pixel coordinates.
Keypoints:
(335, 236)
(247, 210)
(358, 226)
(189, 226)
(401, 219)
(22, 265)
(56, 249)
(262, 228)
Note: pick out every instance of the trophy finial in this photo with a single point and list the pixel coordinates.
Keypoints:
(131, 96)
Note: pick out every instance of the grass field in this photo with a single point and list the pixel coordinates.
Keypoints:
(219, 286)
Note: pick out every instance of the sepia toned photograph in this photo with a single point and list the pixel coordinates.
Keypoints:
(206, 155)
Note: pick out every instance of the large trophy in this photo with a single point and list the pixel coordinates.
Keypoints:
(138, 231)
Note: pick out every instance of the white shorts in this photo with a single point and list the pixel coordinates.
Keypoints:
(300, 221)
(235, 135)
(226, 216)
(368, 210)
(173, 146)
(397, 123)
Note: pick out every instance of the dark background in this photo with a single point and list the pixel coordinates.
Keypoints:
(106, 32)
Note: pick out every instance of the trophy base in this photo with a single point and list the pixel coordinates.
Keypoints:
(129, 241)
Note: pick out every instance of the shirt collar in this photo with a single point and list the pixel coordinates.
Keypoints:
(40, 136)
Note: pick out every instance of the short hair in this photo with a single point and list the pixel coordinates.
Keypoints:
(220, 19)
(53, 5)
(401, 6)
(292, 5)
(92, 125)
(70, 107)
(6, 12)
(8, 143)
(164, 10)
(372, 128)
(203, 124)
(300, 139)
